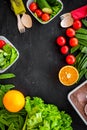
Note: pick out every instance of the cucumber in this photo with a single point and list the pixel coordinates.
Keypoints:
(44, 6)
(53, 2)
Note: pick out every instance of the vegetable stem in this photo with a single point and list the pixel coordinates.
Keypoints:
(24, 126)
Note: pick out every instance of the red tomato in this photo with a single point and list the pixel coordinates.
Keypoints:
(38, 12)
(2, 43)
(73, 42)
(61, 40)
(45, 17)
(33, 6)
(70, 59)
(77, 24)
(64, 49)
(70, 32)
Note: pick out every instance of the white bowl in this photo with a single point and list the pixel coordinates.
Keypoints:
(78, 100)
(8, 42)
(42, 22)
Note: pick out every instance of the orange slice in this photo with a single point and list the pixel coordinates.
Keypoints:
(68, 75)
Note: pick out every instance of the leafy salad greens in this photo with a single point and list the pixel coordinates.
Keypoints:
(36, 115)
(41, 116)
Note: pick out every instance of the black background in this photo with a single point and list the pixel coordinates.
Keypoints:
(40, 60)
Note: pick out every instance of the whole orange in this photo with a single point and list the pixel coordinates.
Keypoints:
(13, 100)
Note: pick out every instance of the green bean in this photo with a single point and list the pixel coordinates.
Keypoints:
(81, 31)
(81, 36)
(84, 21)
(82, 72)
(82, 42)
(73, 49)
(6, 76)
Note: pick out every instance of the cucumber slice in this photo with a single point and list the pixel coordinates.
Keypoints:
(47, 10)
(44, 6)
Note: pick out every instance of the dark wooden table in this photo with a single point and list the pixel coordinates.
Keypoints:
(40, 60)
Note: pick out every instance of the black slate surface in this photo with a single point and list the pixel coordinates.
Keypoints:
(39, 62)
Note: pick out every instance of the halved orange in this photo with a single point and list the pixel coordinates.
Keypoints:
(68, 75)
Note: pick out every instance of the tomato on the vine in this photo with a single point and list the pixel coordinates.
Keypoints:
(64, 49)
(70, 59)
(38, 12)
(45, 17)
(61, 40)
(70, 32)
(77, 24)
(2, 43)
(73, 42)
(33, 6)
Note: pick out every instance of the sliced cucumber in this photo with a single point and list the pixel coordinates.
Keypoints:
(47, 10)
(44, 6)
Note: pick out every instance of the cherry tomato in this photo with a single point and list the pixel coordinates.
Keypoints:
(38, 12)
(2, 43)
(73, 42)
(70, 32)
(45, 17)
(70, 59)
(61, 40)
(33, 6)
(77, 24)
(64, 49)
